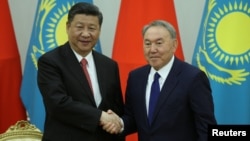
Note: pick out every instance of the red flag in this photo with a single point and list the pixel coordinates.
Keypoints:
(11, 107)
(128, 45)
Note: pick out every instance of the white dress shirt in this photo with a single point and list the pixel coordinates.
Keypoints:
(92, 74)
(163, 72)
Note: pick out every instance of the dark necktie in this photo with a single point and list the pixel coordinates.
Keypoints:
(155, 91)
(84, 62)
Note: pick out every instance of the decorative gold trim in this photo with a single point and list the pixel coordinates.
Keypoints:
(21, 130)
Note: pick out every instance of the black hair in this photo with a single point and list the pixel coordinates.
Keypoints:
(85, 8)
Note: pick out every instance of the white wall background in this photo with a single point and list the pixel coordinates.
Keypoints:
(188, 13)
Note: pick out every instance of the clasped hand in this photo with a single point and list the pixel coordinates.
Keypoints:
(111, 122)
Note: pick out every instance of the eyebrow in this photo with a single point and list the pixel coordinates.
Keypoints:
(158, 39)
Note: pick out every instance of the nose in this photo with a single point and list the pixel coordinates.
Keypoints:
(153, 48)
(84, 33)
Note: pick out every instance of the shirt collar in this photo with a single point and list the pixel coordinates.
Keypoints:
(164, 71)
(89, 57)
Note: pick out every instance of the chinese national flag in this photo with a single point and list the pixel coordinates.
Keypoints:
(11, 108)
(128, 44)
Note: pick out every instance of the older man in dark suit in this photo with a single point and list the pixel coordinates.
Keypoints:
(168, 99)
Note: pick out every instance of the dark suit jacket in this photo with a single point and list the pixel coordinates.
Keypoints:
(71, 113)
(183, 111)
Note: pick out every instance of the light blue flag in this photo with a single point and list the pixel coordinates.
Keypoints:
(49, 31)
(223, 52)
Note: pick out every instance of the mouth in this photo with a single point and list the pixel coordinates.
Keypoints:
(85, 42)
(153, 57)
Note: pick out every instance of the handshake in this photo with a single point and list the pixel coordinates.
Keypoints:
(111, 122)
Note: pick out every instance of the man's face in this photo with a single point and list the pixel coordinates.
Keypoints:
(83, 33)
(159, 47)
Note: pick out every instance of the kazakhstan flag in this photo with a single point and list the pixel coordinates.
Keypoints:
(49, 31)
(223, 52)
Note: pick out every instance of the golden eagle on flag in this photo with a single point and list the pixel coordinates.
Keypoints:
(223, 52)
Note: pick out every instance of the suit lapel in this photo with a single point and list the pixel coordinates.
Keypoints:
(77, 71)
(143, 95)
(141, 82)
(100, 73)
(168, 87)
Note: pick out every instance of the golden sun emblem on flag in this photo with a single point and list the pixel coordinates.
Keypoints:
(56, 30)
(225, 43)
(50, 27)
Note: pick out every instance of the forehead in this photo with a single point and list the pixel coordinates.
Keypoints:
(83, 18)
(156, 32)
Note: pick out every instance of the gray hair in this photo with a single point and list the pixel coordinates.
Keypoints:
(162, 23)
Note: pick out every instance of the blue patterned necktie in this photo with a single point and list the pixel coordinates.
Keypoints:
(155, 91)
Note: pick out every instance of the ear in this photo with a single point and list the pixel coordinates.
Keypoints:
(67, 26)
(175, 44)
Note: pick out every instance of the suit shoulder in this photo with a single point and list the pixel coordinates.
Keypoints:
(102, 57)
(191, 67)
(141, 69)
(53, 53)
(182, 65)
(183, 68)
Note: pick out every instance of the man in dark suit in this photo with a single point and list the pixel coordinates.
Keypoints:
(184, 108)
(75, 106)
